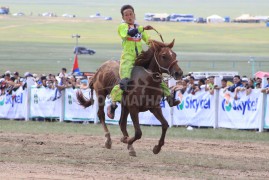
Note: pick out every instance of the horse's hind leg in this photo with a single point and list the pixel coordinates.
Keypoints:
(101, 115)
(159, 115)
(123, 123)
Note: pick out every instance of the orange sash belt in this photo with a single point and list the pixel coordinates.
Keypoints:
(133, 39)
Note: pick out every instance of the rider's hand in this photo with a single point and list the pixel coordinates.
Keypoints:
(148, 27)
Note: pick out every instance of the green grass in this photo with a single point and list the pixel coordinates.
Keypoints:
(84, 8)
(44, 45)
(152, 132)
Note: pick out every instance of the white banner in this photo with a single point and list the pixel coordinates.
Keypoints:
(45, 102)
(243, 113)
(266, 121)
(195, 110)
(75, 112)
(13, 106)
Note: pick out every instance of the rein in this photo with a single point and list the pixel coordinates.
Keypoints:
(158, 34)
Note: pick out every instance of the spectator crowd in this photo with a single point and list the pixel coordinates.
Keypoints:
(10, 82)
(191, 85)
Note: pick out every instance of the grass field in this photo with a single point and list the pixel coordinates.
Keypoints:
(148, 131)
(44, 45)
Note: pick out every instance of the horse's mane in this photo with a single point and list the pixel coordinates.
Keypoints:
(145, 57)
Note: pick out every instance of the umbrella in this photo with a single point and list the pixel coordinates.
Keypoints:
(261, 74)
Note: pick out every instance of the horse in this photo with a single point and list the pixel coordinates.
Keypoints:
(143, 91)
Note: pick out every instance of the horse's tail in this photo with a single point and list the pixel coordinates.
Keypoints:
(83, 101)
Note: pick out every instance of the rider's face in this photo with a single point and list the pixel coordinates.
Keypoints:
(128, 16)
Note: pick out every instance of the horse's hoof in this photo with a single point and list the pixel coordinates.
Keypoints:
(124, 139)
(156, 149)
(132, 153)
(131, 150)
(108, 144)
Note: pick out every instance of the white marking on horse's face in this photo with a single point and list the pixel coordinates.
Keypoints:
(170, 52)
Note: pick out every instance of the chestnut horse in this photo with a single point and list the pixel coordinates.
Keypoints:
(143, 91)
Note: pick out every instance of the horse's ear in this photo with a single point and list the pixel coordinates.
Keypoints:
(171, 44)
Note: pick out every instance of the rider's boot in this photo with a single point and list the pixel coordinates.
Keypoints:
(124, 84)
(111, 110)
(172, 101)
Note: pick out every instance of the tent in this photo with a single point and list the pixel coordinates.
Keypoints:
(160, 17)
(261, 74)
(246, 18)
(214, 19)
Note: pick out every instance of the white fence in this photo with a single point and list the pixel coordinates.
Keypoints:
(202, 109)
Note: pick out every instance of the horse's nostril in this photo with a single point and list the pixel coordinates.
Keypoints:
(177, 74)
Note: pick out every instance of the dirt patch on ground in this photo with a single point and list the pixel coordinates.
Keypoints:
(52, 156)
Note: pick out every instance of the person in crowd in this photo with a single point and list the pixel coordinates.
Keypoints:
(244, 81)
(223, 84)
(209, 84)
(2, 86)
(257, 80)
(201, 85)
(184, 85)
(71, 82)
(237, 83)
(251, 83)
(17, 83)
(9, 83)
(63, 73)
(54, 80)
(245, 87)
(17, 77)
(266, 87)
(258, 85)
(84, 84)
(50, 84)
(178, 83)
(180, 86)
(44, 81)
(38, 81)
(191, 85)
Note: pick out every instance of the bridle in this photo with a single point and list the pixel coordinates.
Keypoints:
(163, 68)
(159, 66)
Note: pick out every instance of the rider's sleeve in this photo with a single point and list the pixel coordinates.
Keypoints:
(123, 30)
(145, 35)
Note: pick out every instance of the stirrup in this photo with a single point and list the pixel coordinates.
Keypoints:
(111, 110)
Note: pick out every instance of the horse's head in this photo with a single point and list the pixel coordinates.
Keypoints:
(165, 59)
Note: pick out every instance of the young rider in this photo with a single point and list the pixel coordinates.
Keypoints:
(131, 35)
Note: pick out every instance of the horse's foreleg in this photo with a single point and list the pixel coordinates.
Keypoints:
(101, 115)
(159, 115)
(123, 123)
(138, 132)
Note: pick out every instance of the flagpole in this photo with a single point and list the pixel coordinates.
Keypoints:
(76, 36)
(75, 65)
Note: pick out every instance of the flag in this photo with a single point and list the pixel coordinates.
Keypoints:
(75, 66)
